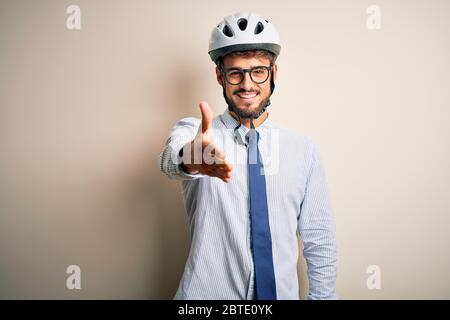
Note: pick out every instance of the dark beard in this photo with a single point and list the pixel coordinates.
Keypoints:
(247, 113)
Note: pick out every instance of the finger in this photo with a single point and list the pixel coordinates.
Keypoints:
(213, 171)
(223, 174)
(224, 177)
(220, 158)
(226, 166)
(207, 116)
(218, 154)
(214, 154)
(224, 169)
(209, 170)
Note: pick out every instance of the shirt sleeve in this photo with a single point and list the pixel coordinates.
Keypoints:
(169, 159)
(318, 232)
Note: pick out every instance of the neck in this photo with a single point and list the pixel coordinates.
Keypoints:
(246, 121)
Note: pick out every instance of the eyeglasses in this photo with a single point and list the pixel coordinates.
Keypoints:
(258, 74)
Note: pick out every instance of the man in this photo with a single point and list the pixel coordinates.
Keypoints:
(248, 184)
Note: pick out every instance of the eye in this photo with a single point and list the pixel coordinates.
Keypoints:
(234, 73)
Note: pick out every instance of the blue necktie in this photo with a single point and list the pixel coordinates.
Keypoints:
(265, 288)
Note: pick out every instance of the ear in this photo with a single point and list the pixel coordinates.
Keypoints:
(275, 71)
(219, 76)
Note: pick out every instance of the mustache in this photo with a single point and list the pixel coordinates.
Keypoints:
(244, 91)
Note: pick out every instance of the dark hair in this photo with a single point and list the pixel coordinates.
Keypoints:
(260, 53)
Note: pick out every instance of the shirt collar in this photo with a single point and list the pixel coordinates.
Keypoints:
(231, 123)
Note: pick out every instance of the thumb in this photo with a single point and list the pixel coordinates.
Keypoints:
(207, 116)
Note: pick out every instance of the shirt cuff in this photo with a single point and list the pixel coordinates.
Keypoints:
(171, 160)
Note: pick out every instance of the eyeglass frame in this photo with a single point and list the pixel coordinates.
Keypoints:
(243, 71)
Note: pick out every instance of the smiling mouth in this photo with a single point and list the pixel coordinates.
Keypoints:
(247, 96)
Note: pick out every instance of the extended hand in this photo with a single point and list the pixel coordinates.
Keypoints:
(212, 160)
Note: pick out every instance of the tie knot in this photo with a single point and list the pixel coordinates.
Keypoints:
(252, 136)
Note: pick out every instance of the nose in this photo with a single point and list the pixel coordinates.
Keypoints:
(247, 82)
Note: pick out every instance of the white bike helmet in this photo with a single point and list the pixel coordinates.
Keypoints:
(243, 31)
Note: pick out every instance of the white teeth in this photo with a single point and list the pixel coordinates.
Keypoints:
(247, 95)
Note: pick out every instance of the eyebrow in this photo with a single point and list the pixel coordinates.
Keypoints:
(252, 66)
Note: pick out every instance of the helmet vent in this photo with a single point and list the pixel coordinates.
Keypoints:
(242, 23)
(259, 28)
(227, 31)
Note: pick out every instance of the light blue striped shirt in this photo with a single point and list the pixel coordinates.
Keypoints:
(220, 264)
